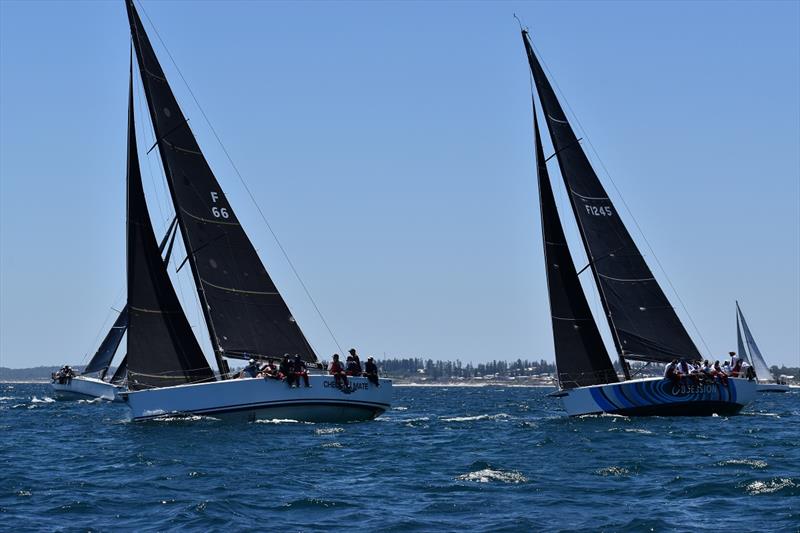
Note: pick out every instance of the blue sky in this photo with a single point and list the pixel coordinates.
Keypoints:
(390, 146)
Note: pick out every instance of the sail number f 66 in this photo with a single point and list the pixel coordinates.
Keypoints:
(218, 212)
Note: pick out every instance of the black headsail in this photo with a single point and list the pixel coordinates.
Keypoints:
(245, 314)
(581, 356)
(643, 323)
(105, 353)
(162, 350)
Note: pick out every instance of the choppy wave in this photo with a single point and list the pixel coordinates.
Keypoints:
(770, 486)
(328, 431)
(613, 471)
(489, 475)
(277, 421)
(181, 418)
(752, 463)
(498, 416)
(44, 399)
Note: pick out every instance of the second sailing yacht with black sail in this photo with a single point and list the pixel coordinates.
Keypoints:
(245, 314)
(643, 324)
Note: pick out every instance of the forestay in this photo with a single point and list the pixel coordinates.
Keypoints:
(245, 314)
(643, 322)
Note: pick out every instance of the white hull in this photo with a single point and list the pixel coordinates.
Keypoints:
(659, 397)
(773, 387)
(84, 387)
(262, 398)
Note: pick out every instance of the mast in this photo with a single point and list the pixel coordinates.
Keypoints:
(643, 323)
(245, 314)
(581, 356)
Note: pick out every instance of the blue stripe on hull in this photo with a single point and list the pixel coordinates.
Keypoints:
(664, 398)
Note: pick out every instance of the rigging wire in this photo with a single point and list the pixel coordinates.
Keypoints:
(622, 198)
(244, 184)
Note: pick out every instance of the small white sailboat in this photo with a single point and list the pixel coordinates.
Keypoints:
(245, 314)
(66, 385)
(766, 381)
(643, 324)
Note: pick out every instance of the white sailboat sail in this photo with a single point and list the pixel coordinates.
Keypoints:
(740, 342)
(762, 370)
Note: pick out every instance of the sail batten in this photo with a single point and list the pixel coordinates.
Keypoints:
(243, 309)
(644, 325)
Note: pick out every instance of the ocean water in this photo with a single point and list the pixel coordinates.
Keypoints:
(444, 459)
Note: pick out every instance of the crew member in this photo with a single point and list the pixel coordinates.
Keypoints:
(269, 370)
(372, 372)
(286, 370)
(353, 368)
(671, 372)
(251, 370)
(357, 361)
(337, 371)
(300, 371)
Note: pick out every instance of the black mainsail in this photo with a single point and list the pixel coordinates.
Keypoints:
(245, 314)
(581, 356)
(643, 323)
(162, 350)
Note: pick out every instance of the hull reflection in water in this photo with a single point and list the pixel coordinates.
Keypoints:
(84, 387)
(659, 397)
(260, 398)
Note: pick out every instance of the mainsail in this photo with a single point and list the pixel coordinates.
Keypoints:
(244, 311)
(581, 356)
(757, 360)
(643, 323)
(162, 350)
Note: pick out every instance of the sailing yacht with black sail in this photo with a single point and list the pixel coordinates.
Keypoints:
(92, 383)
(766, 381)
(643, 324)
(244, 312)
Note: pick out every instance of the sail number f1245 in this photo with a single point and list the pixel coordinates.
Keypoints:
(601, 211)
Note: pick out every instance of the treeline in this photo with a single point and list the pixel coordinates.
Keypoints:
(428, 368)
(31, 374)
(785, 371)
